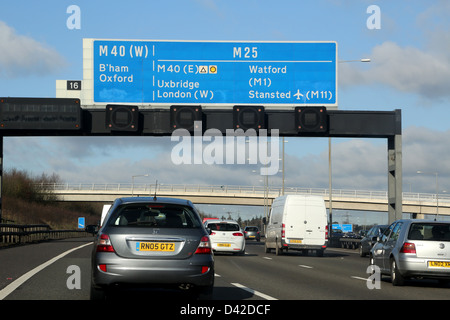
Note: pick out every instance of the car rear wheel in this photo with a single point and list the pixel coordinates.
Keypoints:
(319, 253)
(97, 293)
(361, 251)
(396, 278)
(267, 249)
(205, 293)
(277, 249)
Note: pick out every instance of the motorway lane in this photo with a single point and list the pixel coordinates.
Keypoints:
(293, 276)
(340, 274)
(256, 275)
(50, 282)
(17, 260)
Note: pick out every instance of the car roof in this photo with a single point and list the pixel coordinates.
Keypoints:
(422, 221)
(221, 221)
(155, 200)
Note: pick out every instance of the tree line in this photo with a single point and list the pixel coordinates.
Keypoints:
(29, 199)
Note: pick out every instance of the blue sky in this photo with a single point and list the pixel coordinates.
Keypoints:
(409, 70)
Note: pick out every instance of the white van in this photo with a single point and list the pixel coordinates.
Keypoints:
(297, 222)
(105, 211)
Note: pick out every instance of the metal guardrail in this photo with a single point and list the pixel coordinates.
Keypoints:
(232, 189)
(19, 234)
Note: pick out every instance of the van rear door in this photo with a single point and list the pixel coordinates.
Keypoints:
(306, 223)
(294, 220)
(315, 221)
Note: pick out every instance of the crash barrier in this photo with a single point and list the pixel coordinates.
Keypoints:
(344, 242)
(19, 234)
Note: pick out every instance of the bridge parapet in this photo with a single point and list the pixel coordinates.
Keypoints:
(365, 200)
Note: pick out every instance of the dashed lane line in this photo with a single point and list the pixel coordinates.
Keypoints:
(256, 293)
(359, 278)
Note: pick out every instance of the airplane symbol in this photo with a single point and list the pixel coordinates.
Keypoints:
(298, 94)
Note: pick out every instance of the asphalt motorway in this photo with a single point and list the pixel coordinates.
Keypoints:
(49, 271)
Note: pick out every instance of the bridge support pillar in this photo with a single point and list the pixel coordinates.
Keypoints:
(418, 216)
(395, 177)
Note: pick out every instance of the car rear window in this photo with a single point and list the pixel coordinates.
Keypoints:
(154, 215)
(429, 231)
(251, 229)
(224, 226)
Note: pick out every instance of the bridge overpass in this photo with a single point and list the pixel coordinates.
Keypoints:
(360, 200)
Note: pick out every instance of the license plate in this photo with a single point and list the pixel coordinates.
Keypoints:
(223, 244)
(295, 241)
(155, 246)
(251, 236)
(439, 264)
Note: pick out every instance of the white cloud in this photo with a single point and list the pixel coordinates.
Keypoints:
(358, 164)
(23, 56)
(407, 69)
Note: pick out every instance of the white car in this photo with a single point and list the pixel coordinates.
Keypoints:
(226, 236)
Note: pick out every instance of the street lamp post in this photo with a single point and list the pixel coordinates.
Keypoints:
(359, 60)
(132, 181)
(330, 184)
(437, 190)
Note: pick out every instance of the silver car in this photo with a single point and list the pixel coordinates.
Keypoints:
(252, 233)
(413, 248)
(370, 239)
(152, 242)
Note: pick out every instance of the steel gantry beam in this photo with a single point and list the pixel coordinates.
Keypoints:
(67, 117)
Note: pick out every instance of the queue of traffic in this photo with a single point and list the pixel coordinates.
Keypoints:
(151, 241)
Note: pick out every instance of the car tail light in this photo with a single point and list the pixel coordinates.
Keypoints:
(283, 231)
(326, 232)
(205, 269)
(204, 246)
(238, 234)
(104, 244)
(408, 247)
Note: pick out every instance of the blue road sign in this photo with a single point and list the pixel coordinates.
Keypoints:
(81, 223)
(343, 227)
(196, 72)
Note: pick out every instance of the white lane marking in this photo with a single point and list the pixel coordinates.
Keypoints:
(257, 293)
(359, 278)
(19, 281)
(267, 258)
(306, 267)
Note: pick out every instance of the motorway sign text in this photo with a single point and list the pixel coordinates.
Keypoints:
(205, 72)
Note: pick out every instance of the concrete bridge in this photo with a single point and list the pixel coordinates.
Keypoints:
(361, 200)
